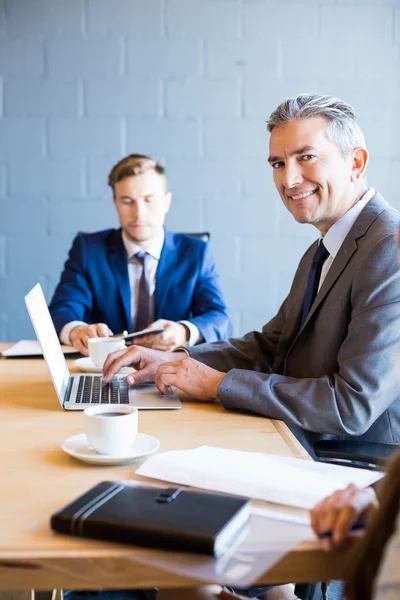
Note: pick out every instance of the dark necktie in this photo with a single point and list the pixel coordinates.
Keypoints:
(314, 275)
(143, 317)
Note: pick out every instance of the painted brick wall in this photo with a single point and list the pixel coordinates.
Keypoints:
(84, 82)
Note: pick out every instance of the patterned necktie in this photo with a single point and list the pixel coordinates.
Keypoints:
(143, 317)
(314, 275)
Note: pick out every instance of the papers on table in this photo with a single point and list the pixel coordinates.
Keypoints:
(283, 480)
(270, 536)
(31, 348)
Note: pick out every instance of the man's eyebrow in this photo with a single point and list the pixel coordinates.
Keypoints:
(272, 159)
(303, 150)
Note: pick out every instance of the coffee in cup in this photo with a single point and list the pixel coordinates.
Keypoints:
(111, 429)
(101, 347)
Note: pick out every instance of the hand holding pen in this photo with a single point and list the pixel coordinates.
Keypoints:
(343, 512)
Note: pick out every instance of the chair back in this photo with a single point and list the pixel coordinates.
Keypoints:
(202, 235)
(370, 551)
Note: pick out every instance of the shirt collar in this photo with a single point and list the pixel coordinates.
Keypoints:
(154, 249)
(339, 230)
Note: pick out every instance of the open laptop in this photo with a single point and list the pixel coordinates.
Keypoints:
(77, 392)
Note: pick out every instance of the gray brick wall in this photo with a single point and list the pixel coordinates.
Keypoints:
(84, 82)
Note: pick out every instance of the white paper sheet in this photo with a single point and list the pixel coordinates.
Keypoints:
(269, 538)
(260, 476)
(31, 348)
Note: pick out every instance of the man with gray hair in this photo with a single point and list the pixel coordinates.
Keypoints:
(328, 363)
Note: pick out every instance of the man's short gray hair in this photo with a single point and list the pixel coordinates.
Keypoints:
(342, 128)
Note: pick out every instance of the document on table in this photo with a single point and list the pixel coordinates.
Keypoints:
(26, 348)
(294, 482)
(268, 538)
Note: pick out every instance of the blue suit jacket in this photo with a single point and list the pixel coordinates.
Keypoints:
(94, 285)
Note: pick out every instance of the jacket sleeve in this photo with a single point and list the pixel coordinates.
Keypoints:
(253, 352)
(367, 379)
(72, 299)
(208, 309)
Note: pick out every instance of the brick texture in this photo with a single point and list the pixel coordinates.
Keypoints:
(84, 82)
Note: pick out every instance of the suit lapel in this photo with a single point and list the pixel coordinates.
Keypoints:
(166, 268)
(119, 266)
(346, 251)
(367, 216)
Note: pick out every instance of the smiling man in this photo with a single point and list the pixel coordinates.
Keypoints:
(141, 275)
(328, 363)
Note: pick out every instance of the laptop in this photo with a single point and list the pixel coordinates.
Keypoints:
(78, 391)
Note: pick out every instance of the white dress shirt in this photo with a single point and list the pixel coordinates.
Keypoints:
(135, 269)
(337, 233)
(135, 274)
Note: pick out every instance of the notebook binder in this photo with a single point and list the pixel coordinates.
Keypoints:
(173, 518)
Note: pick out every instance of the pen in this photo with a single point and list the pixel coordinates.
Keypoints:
(361, 524)
(123, 334)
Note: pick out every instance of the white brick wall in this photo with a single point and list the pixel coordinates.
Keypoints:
(84, 82)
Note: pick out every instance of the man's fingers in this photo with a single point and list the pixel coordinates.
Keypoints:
(148, 341)
(165, 346)
(85, 339)
(170, 366)
(163, 382)
(80, 346)
(156, 342)
(81, 335)
(162, 341)
(314, 514)
(80, 342)
(166, 375)
(118, 359)
(91, 331)
(139, 341)
(358, 501)
(111, 358)
(103, 330)
(157, 324)
(338, 513)
(323, 518)
(142, 375)
(346, 518)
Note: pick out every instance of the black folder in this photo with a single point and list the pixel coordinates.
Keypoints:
(173, 518)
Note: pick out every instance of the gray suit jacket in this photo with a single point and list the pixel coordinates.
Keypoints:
(339, 375)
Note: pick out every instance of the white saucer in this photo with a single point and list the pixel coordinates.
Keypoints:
(85, 364)
(78, 447)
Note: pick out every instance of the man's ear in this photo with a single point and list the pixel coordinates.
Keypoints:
(360, 161)
(168, 199)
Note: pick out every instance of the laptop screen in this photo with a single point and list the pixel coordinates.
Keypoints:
(47, 336)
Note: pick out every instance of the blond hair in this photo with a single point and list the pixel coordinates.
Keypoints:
(134, 164)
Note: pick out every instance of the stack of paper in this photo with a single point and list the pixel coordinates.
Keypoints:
(266, 541)
(283, 480)
(25, 348)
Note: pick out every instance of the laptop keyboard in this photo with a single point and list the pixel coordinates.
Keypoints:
(92, 389)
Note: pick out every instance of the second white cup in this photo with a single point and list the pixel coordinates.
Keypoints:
(111, 429)
(101, 347)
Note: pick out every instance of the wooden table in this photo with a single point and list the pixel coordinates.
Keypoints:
(37, 478)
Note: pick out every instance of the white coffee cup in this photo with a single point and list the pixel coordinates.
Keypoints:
(101, 347)
(111, 429)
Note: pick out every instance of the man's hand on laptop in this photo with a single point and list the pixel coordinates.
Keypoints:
(174, 334)
(190, 376)
(145, 360)
(80, 335)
